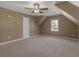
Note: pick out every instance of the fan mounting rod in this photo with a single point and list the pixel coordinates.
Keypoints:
(36, 7)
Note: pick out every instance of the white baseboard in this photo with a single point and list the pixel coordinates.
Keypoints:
(32, 37)
(60, 37)
(10, 41)
(16, 40)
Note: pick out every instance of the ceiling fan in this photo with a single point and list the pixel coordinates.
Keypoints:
(36, 8)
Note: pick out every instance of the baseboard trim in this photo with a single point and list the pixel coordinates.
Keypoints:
(60, 37)
(32, 37)
(10, 41)
(16, 40)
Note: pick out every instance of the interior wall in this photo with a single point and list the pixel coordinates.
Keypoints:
(66, 27)
(34, 28)
(38, 19)
(11, 25)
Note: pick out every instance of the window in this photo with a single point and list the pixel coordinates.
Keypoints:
(54, 25)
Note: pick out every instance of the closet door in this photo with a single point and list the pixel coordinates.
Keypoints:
(26, 28)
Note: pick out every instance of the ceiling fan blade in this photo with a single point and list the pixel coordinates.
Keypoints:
(41, 12)
(32, 12)
(29, 8)
(43, 8)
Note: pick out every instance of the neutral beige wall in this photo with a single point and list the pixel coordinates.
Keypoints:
(13, 26)
(66, 27)
(10, 26)
(38, 19)
(34, 28)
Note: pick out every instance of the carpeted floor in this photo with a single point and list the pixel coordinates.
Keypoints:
(41, 46)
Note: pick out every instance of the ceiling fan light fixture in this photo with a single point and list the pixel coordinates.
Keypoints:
(36, 11)
(36, 6)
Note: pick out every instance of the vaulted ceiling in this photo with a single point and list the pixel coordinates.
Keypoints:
(19, 6)
(70, 10)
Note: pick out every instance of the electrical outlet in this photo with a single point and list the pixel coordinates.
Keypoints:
(73, 35)
(9, 16)
(9, 37)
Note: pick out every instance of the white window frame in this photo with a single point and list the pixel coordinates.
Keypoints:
(55, 25)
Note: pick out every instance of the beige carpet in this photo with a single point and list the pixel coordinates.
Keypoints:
(41, 46)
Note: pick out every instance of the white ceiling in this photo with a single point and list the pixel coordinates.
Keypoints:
(19, 6)
(76, 3)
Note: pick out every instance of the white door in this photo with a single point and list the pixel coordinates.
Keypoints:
(26, 28)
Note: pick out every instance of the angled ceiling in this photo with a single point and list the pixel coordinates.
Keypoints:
(76, 3)
(19, 6)
(70, 10)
